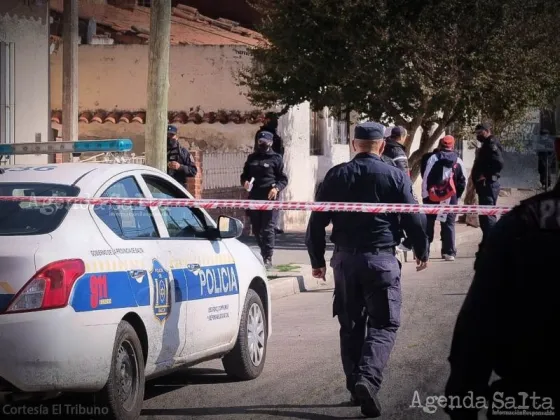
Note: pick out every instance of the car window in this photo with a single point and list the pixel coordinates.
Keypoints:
(181, 222)
(127, 222)
(29, 218)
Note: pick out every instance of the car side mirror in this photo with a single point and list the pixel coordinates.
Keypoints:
(229, 227)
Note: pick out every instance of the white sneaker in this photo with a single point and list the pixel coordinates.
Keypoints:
(448, 257)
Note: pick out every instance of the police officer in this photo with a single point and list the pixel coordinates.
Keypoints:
(271, 125)
(367, 273)
(487, 166)
(394, 152)
(180, 165)
(266, 169)
(509, 320)
(546, 163)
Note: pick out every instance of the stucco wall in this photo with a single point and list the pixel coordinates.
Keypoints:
(26, 26)
(116, 76)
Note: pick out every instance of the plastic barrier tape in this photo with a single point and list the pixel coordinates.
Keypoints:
(268, 205)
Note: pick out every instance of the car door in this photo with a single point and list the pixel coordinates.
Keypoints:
(204, 270)
(134, 236)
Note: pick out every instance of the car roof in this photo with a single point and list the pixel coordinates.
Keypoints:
(65, 173)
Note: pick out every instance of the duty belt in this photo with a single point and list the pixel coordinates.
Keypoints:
(366, 249)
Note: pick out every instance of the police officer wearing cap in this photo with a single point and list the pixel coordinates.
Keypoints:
(180, 165)
(263, 176)
(367, 273)
(508, 324)
(487, 166)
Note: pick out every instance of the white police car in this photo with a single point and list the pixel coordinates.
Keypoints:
(99, 298)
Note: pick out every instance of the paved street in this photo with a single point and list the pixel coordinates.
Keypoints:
(303, 376)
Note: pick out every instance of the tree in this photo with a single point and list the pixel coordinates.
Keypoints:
(421, 64)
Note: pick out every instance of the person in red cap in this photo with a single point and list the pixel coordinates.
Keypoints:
(444, 182)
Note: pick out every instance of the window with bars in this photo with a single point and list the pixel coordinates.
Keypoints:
(342, 128)
(315, 141)
(7, 93)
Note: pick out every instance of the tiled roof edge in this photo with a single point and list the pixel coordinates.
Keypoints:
(180, 117)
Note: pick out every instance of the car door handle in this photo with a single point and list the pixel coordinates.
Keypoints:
(193, 267)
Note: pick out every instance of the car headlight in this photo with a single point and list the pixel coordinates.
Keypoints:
(258, 255)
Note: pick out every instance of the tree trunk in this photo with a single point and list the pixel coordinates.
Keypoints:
(427, 142)
(158, 84)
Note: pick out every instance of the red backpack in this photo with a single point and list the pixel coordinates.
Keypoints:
(444, 188)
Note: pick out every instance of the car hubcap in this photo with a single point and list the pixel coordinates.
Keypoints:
(255, 334)
(127, 375)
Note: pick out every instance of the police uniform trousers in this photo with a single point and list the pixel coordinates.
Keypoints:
(367, 301)
(487, 192)
(447, 228)
(262, 225)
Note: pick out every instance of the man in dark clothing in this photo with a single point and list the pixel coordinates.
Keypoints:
(546, 161)
(367, 296)
(424, 162)
(443, 165)
(271, 125)
(394, 152)
(180, 165)
(509, 320)
(263, 176)
(487, 166)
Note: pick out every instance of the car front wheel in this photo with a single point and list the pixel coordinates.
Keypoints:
(124, 391)
(246, 360)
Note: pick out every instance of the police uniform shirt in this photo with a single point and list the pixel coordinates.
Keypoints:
(268, 171)
(365, 179)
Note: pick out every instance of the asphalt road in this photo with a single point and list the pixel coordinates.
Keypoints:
(303, 376)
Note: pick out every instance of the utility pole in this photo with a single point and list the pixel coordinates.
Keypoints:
(158, 84)
(70, 71)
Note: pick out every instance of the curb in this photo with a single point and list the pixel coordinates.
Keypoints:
(296, 284)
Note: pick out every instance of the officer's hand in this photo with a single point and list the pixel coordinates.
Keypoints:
(173, 165)
(319, 273)
(246, 185)
(273, 193)
(421, 265)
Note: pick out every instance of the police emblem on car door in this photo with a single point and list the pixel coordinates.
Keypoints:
(162, 291)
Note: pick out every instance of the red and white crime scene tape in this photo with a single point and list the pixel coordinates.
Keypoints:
(268, 205)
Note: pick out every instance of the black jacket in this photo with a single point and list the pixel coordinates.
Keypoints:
(396, 154)
(277, 142)
(446, 159)
(425, 158)
(489, 161)
(504, 299)
(187, 170)
(268, 171)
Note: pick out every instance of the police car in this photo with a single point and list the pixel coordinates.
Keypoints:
(100, 298)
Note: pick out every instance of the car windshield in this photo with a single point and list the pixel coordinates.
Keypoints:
(28, 218)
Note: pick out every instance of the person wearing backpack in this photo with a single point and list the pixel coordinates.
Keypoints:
(444, 182)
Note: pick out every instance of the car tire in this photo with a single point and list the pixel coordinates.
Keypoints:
(246, 360)
(127, 371)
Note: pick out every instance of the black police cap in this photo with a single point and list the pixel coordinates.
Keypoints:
(369, 131)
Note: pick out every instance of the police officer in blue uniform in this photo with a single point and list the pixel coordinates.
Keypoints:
(180, 165)
(267, 169)
(509, 321)
(367, 273)
(486, 170)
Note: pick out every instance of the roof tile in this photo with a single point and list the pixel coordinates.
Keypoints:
(181, 117)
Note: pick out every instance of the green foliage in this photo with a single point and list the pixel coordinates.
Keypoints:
(412, 62)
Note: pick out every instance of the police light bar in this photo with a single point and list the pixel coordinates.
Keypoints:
(80, 146)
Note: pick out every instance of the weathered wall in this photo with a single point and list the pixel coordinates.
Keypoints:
(115, 77)
(27, 27)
